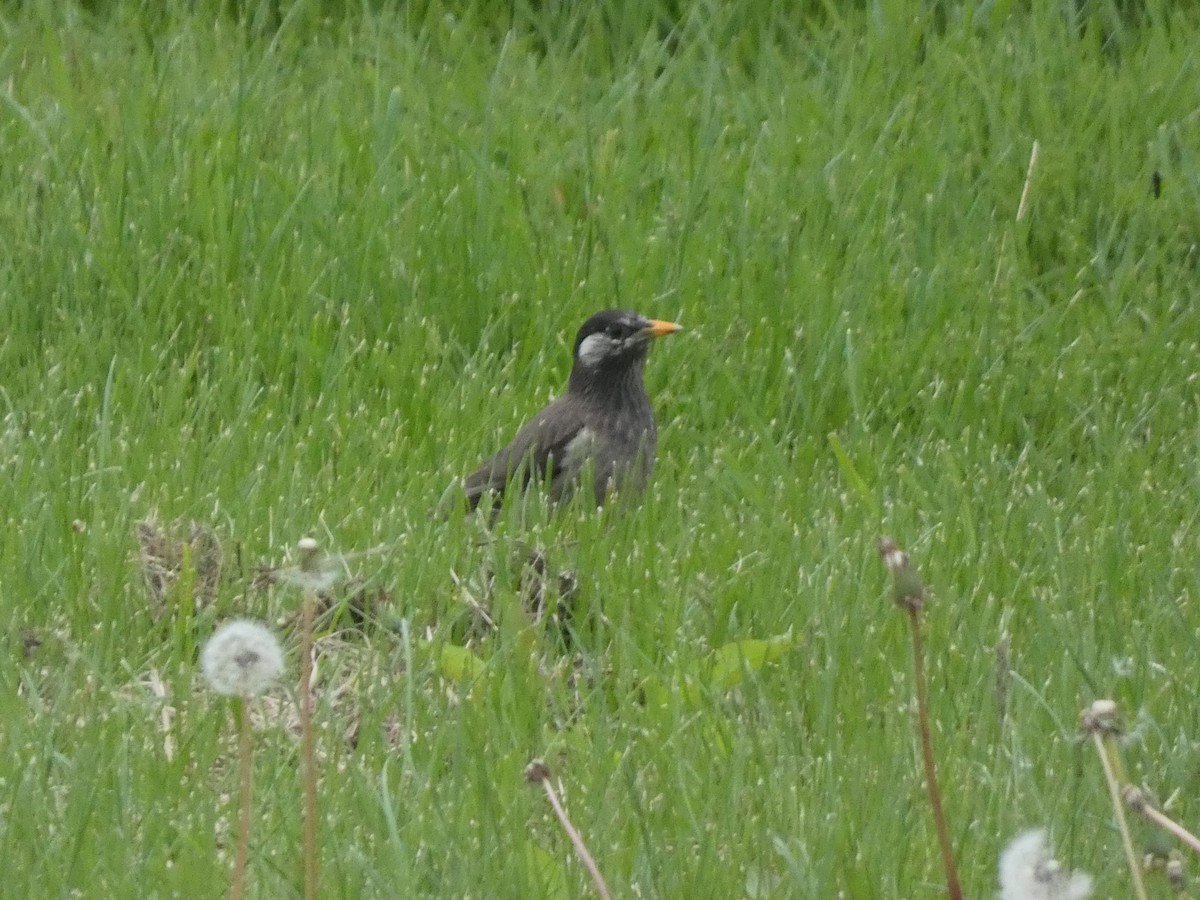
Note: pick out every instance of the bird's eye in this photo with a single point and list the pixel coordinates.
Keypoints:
(616, 332)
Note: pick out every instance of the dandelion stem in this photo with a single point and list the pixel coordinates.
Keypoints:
(1103, 743)
(238, 888)
(1136, 800)
(908, 591)
(539, 772)
(953, 888)
(307, 750)
(240, 660)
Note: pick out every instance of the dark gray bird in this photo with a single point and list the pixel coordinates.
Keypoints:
(603, 423)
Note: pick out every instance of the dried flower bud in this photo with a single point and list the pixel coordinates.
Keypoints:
(1134, 798)
(310, 553)
(537, 772)
(1101, 718)
(1175, 873)
(908, 589)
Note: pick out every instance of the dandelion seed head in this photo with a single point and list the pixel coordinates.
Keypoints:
(241, 659)
(1029, 871)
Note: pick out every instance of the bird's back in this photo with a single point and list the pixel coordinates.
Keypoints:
(566, 439)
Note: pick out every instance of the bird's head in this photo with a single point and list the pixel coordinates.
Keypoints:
(616, 340)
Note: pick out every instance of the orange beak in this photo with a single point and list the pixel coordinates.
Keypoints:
(657, 328)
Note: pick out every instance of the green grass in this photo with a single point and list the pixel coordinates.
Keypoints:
(296, 275)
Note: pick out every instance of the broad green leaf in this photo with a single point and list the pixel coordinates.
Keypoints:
(731, 662)
(459, 664)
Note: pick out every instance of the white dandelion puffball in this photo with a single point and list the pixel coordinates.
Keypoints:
(241, 659)
(1029, 871)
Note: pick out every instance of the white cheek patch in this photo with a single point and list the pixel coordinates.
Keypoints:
(594, 348)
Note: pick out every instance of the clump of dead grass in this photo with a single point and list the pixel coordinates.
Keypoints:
(184, 551)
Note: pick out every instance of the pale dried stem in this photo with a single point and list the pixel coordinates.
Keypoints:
(1136, 800)
(1023, 206)
(307, 749)
(1114, 790)
(1022, 212)
(581, 849)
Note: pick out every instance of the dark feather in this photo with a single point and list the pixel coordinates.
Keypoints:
(539, 446)
(605, 399)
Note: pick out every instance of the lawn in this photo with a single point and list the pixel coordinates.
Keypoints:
(289, 270)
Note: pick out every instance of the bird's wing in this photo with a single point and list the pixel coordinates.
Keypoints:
(539, 446)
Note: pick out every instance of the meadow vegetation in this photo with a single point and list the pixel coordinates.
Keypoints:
(277, 270)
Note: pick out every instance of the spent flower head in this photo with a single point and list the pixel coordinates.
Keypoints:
(1029, 871)
(907, 588)
(316, 570)
(1101, 718)
(241, 659)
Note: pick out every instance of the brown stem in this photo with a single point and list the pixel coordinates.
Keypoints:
(238, 888)
(307, 751)
(953, 888)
